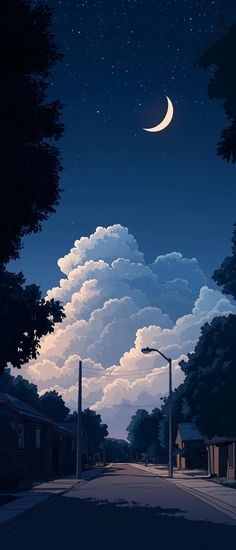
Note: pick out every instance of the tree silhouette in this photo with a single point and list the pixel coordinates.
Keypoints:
(95, 429)
(53, 406)
(209, 386)
(140, 431)
(222, 85)
(20, 388)
(24, 319)
(30, 163)
(117, 450)
(225, 275)
(30, 167)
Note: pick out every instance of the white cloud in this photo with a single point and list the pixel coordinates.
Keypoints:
(116, 304)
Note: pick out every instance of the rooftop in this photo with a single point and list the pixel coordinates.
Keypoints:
(189, 432)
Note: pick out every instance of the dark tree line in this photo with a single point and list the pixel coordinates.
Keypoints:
(51, 404)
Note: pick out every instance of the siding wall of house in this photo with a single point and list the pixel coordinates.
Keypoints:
(223, 459)
(44, 450)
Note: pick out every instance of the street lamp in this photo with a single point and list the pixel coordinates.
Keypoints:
(150, 350)
(79, 425)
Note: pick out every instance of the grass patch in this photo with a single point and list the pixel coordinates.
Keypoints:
(224, 481)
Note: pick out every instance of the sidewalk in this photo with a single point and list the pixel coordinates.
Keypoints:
(220, 497)
(34, 498)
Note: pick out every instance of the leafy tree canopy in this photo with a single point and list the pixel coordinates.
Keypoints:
(95, 429)
(209, 387)
(30, 163)
(117, 450)
(20, 388)
(53, 406)
(143, 429)
(30, 167)
(225, 276)
(50, 403)
(222, 85)
(24, 318)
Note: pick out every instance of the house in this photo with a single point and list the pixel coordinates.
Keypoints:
(222, 456)
(190, 448)
(40, 449)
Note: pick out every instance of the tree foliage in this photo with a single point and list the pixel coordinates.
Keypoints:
(179, 414)
(20, 388)
(225, 276)
(95, 429)
(50, 403)
(53, 406)
(30, 167)
(24, 318)
(117, 450)
(222, 85)
(29, 123)
(209, 387)
(143, 432)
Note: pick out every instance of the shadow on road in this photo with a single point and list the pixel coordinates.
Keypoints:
(92, 524)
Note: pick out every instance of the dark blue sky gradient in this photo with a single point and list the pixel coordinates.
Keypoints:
(168, 188)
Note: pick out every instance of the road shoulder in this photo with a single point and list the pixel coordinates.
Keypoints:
(219, 497)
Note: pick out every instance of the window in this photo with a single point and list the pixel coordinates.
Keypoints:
(230, 455)
(38, 438)
(21, 436)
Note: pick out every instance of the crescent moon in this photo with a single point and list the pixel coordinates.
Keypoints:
(166, 121)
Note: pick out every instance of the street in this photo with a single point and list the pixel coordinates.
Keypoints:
(125, 509)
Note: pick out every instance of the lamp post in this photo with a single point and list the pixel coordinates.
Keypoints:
(79, 425)
(150, 350)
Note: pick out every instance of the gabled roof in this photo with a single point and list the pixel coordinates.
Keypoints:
(188, 432)
(22, 407)
(30, 412)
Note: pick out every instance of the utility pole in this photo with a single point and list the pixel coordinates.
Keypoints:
(170, 421)
(79, 425)
(150, 350)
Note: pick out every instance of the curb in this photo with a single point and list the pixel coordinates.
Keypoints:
(216, 503)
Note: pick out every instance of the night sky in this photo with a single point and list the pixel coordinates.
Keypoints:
(169, 188)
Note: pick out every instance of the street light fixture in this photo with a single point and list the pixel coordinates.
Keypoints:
(150, 350)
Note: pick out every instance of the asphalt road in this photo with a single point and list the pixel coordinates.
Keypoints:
(125, 509)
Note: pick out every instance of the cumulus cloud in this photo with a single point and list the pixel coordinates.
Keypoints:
(115, 304)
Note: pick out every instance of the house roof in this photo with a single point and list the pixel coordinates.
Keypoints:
(218, 440)
(188, 432)
(70, 426)
(26, 410)
(23, 408)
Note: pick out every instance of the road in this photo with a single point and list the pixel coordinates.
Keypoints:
(125, 509)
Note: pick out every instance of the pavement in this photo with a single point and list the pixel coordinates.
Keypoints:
(32, 499)
(220, 497)
(124, 508)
